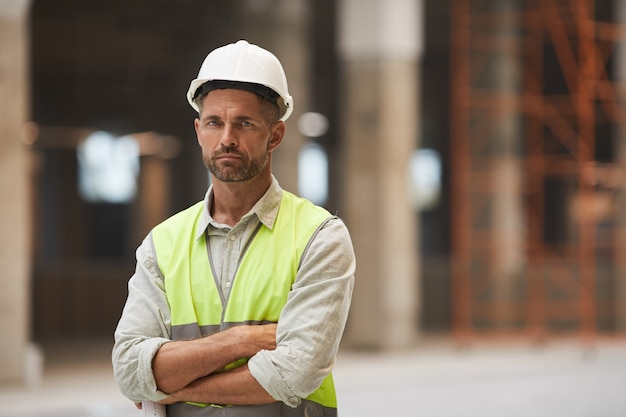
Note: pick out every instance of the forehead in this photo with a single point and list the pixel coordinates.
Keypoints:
(227, 99)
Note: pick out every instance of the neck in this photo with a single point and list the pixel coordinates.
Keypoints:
(232, 200)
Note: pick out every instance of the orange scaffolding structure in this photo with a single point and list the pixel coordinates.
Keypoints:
(537, 132)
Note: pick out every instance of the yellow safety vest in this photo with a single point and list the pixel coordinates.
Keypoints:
(259, 291)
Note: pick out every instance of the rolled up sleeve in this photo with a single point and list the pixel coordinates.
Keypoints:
(142, 329)
(313, 320)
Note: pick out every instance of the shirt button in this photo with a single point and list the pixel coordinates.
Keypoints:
(227, 284)
(232, 237)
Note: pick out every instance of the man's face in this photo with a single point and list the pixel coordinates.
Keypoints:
(235, 136)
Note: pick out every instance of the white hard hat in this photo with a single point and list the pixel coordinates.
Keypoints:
(243, 62)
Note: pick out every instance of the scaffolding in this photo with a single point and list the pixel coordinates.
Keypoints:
(536, 148)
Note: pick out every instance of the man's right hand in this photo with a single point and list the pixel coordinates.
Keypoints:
(263, 336)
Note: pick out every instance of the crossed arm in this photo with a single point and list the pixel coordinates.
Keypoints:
(187, 369)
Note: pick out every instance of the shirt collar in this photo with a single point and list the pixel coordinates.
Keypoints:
(266, 209)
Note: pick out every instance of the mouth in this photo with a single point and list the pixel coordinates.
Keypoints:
(227, 156)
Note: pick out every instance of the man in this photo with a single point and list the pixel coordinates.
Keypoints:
(238, 303)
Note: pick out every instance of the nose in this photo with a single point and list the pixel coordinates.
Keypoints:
(229, 137)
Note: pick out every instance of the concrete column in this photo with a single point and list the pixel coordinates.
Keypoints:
(15, 191)
(380, 43)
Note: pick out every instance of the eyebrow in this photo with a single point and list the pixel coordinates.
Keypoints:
(238, 118)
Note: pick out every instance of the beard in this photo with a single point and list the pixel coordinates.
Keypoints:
(237, 171)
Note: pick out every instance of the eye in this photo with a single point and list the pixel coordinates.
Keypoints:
(246, 123)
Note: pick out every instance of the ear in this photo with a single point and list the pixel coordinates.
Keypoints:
(196, 126)
(278, 132)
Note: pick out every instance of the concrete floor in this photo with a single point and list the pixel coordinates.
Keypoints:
(434, 379)
(491, 381)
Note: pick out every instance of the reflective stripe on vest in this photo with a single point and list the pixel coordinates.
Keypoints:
(305, 409)
(268, 267)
